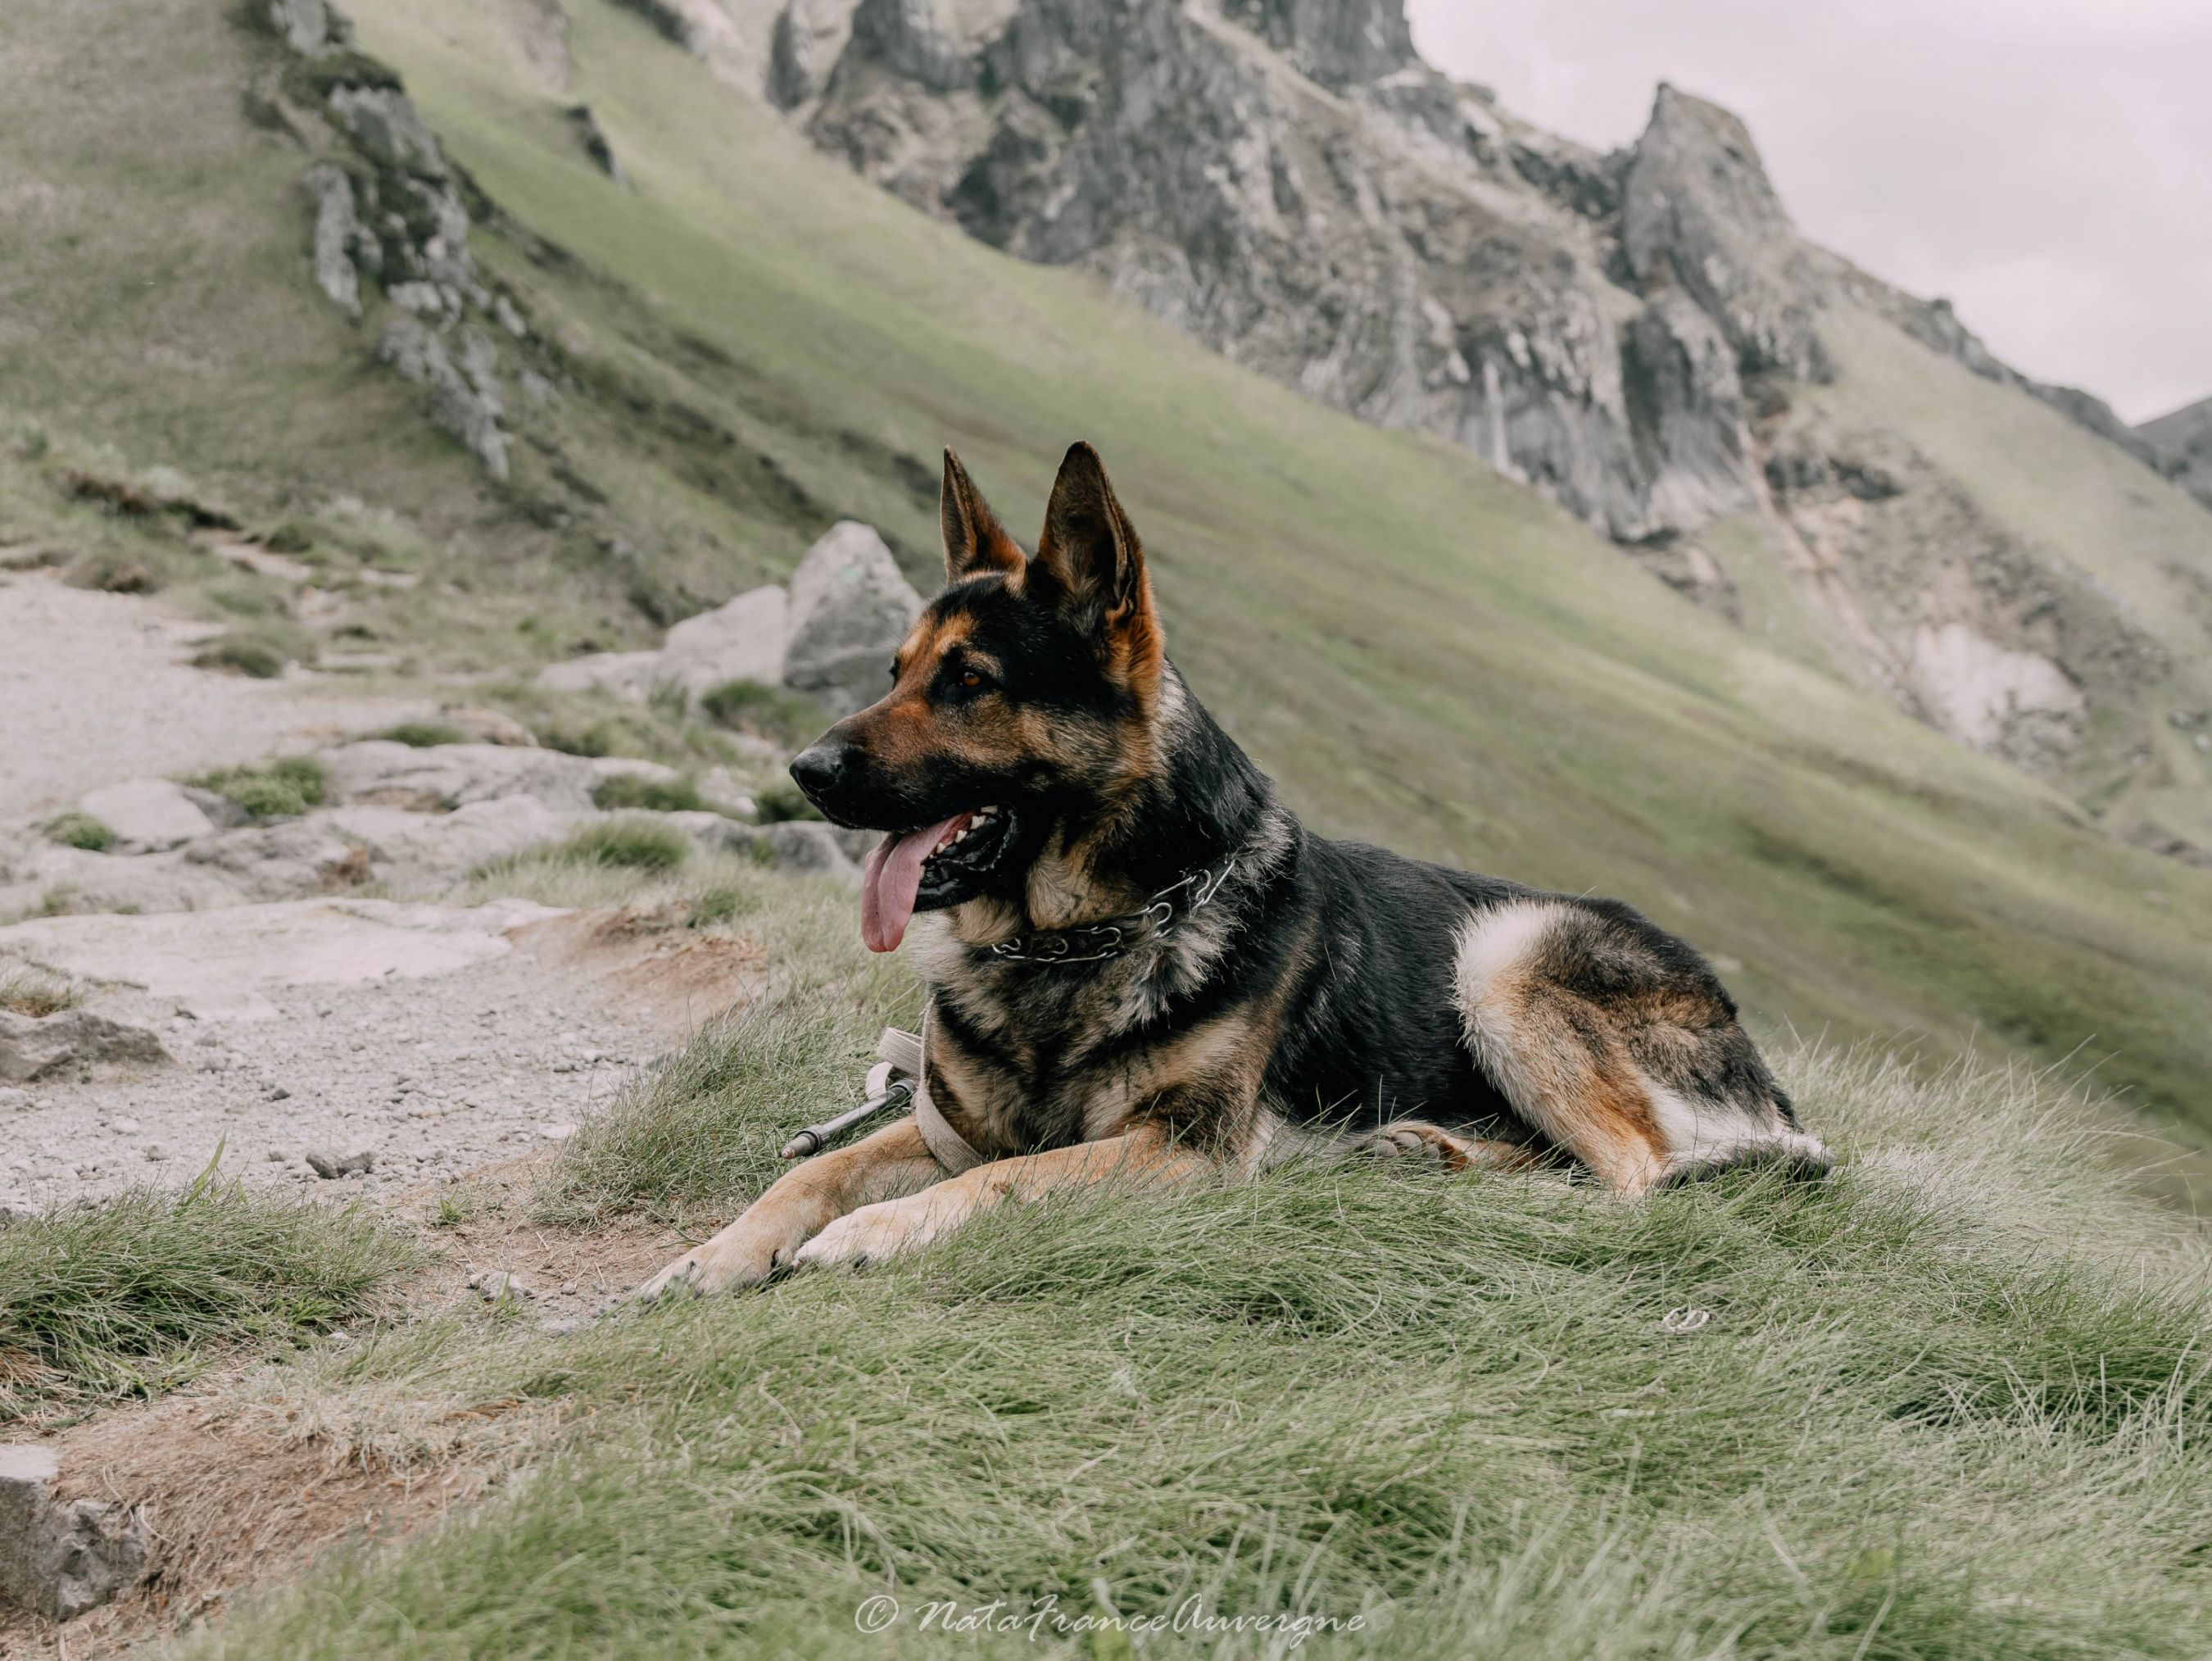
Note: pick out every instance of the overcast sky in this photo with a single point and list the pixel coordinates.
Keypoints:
(2047, 164)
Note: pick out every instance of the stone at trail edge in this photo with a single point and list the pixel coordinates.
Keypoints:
(60, 1558)
(493, 1284)
(34, 1047)
(332, 1167)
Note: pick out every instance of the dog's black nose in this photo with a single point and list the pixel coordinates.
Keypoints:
(823, 767)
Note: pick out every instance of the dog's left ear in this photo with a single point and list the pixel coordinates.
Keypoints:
(1090, 551)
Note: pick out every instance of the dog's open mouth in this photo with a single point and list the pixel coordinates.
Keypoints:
(937, 865)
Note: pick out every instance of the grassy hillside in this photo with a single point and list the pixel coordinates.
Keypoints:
(2090, 510)
(1424, 654)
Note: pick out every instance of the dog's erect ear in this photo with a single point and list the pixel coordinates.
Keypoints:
(975, 543)
(1091, 552)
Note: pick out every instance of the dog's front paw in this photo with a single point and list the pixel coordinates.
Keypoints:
(869, 1235)
(743, 1255)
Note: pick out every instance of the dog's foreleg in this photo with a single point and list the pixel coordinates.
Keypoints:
(800, 1204)
(1142, 1157)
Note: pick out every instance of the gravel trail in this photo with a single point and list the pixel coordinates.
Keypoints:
(97, 688)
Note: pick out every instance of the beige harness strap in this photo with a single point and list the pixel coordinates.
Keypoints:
(905, 1051)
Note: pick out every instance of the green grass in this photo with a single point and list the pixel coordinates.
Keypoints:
(132, 1295)
(423, 734)
(76, 829)
(781, 717)
(621, 845)
(259, 651)
(35, 993)
(633, 790)
(283, 788)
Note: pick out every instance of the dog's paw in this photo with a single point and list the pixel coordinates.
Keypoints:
(743, 1255)
(869, 1235)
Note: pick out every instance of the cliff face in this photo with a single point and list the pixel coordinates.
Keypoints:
(1286, 181)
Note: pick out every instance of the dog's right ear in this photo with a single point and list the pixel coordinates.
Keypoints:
(975, 543)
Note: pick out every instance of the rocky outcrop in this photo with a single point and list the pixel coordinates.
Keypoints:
(1288, 182)
(391, 220)
(2181, 445)
(829, 636)
(1954, 613)
(464, 398)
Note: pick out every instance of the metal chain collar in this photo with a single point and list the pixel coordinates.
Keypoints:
(1099, 941)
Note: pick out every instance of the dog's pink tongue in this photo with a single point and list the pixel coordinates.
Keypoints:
(889, 882)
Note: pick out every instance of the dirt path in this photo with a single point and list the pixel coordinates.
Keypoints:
(434, 1040)
(96, 688)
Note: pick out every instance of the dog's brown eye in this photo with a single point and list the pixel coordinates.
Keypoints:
(971, 678)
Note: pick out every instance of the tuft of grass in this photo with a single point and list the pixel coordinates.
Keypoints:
(784, 718)
(244, 652)
(127, 1296)
(639, 845)
(113, 574)
(35, 992)
(781, 800)
(283, 788)
(455, 1206)
(77, 829)
(632, 790)
(709, 1122)
(423, 734)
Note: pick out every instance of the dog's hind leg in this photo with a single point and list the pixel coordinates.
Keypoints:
(1617, 1041)
(1418, 1139)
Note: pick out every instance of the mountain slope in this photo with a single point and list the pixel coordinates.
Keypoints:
(2181, 442)
(1291, 185)
(1423, 651)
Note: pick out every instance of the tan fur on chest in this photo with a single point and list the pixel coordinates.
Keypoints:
(1000, 1109)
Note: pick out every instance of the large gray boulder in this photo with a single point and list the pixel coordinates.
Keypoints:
(849, 609)
(741, 641)
(147, 816)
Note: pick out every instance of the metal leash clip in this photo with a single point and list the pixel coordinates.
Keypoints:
(887, 1089)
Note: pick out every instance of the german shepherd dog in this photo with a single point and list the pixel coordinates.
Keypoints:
(1141, 965)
